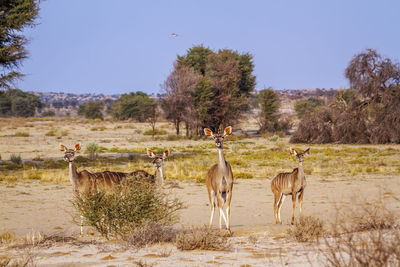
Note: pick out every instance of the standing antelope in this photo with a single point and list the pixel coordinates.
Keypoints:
(219, 180)
(289, 183)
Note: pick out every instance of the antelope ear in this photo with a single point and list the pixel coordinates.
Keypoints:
(208, 132)
(77, 147)
(293, 151)
(307, 152)
(150, 153)
(62, 147)
(228, 130)
(165, 154)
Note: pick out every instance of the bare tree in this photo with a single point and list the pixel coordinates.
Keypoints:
(179, 88)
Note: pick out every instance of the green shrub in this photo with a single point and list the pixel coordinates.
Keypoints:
(15, 159)
(126, 208)
(156, 132)
(92, 149)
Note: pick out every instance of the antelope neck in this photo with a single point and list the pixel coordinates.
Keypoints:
(301, 169)
(159, 174)
(73, 175)
(221, 159)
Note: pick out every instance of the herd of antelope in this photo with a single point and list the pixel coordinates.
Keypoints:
(219, 179)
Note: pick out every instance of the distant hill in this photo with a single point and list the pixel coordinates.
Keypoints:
(67, 103)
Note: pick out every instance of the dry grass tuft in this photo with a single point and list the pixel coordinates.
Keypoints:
(148, 234)
(371, 237)
(7, 237)
(201, 238)
(307, 229)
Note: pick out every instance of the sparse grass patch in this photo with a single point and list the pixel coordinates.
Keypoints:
(307, 229)
(156, 132)
(21, 134)
(52, 132)
(243, 175)
(98, 128)
(201, 238)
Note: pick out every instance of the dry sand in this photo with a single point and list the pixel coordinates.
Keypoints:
(29, 208)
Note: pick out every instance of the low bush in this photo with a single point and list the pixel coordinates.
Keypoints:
(126, 208)
(307, 229)
(149, 233)
(201, 238)
(369, 237)
(15, 159)
(93, 150)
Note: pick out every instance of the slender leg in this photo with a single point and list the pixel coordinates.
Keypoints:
(212, 204)
(276, 202)
(228, 212)
(81, 225)
(301, 202)
(281, 199)
(294, 205)
(219, 202)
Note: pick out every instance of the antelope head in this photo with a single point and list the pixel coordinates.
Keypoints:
(218, 137)
(69, 155)
(300, 156)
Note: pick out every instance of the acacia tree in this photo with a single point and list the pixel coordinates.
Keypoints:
(221, 95)
(377, 80)
(15, 16)
(369, 113)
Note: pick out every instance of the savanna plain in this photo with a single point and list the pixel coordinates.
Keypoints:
(351, 203)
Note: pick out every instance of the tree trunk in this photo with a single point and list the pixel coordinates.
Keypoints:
(177, 122)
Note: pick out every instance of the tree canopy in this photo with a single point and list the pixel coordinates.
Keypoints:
(15, 16)
(368, 113)
(133, 106)
(220, 86)
(14, 102)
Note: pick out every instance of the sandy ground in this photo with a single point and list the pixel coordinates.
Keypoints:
(30, 208)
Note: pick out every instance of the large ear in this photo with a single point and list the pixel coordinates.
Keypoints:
(77, 147)
(165, 154)
(63, 148)
(293, 151)
(208, 132)
(150, 153)
(228, 130)
(307, 152)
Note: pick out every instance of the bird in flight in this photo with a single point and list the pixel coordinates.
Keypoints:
(174, 35)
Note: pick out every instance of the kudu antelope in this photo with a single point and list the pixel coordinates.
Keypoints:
(289, 183)
(84, 180)
(219, 180)
(158, 162)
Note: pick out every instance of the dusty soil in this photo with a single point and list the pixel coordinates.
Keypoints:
(30, 208)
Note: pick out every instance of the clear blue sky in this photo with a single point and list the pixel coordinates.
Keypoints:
(99, 46)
